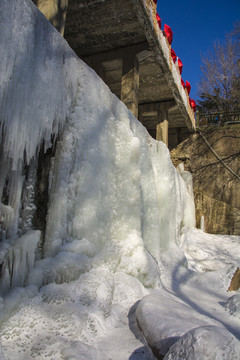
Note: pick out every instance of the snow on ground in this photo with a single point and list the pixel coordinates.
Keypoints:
(194, 299)
(214, 253)
(120, 224)
(93, 317)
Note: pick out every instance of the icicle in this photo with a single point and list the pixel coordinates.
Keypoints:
(17, 261)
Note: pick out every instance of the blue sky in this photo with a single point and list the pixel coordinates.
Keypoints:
(196, 25)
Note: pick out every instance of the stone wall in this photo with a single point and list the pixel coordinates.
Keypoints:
(216, 190)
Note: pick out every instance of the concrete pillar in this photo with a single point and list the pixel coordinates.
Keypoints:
(55, 11)
(155, 115)
(162, 131)
(130, 83)
(99, 68)
(162, 123)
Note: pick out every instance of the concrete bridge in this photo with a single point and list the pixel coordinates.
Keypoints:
(122, 42)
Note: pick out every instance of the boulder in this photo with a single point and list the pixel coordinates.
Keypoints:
(205, 343)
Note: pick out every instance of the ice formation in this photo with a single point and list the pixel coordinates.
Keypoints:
(109, 179)
(118, 211)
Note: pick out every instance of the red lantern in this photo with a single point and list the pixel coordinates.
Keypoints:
(158, 20)
(180, 65)
(183, 83)
(169, 33)
(173, 55)
(193, 104)
(188, 87)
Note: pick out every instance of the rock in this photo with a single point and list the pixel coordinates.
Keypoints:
(233, 305)
(153, 314)
(235, 282)
(205, 343)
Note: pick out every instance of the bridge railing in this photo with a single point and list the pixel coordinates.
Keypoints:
(218, 118)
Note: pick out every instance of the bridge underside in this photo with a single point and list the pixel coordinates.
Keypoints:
(118, 40)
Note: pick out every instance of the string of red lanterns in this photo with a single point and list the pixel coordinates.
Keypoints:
(169, 35)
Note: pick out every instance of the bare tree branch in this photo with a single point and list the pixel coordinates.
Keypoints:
(219, 87)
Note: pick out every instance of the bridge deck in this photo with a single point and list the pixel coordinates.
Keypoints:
(122, 41)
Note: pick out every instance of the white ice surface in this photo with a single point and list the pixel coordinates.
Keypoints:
(92, 316)
(205, 343)
(120, 216)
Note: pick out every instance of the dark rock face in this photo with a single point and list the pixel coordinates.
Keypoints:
(42, 188)
(216, 189)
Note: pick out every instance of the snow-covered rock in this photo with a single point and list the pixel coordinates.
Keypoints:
(164, 318)
(233, 305)
(205, 343)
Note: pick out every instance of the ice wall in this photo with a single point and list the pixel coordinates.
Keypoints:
(36, 93)
(115, 198)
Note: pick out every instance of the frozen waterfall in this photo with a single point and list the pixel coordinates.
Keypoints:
(114, 196)
(108, 228)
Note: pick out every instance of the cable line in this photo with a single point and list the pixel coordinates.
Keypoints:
(217, 156)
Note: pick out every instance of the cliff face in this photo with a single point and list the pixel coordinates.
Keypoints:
(216, 189)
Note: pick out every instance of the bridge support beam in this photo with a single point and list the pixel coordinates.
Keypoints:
(130, 83)
(162, 131)
(120, 70)
(155, 115)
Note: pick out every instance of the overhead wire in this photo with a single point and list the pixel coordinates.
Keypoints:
(217, 156)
